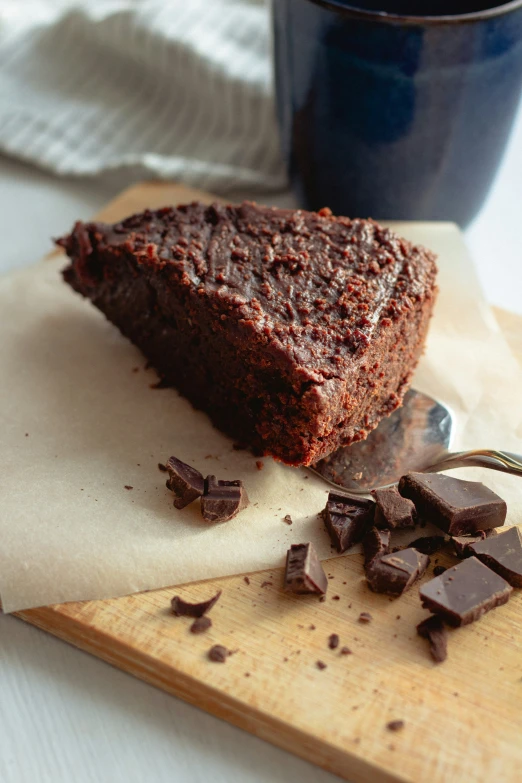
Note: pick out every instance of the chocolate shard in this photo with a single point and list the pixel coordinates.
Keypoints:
(218, 653)
(392, 510)
(200, 625)
(186, 482)
(395, 572)
(428, 545)
(464, 593)
(376, 544)
(222, 500)
(434, 630)
(347, 519)
(454, 505)
(304, 572)
(183, 608)
(461, 544)
(503, 554)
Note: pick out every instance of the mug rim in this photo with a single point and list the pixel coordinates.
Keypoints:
(384, 16)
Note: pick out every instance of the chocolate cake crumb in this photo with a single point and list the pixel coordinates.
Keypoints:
(288, 519)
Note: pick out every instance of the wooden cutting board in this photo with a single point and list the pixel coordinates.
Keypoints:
(462, 719)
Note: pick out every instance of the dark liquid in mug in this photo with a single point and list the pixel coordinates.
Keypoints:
(424, 7)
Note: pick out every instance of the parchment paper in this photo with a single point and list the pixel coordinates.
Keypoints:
(79, 424)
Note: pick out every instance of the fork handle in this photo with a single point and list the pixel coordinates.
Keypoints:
(505, 461)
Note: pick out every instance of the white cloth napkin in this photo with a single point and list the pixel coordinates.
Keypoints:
(182, 88)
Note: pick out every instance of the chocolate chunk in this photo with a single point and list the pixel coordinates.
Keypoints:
(465, 592)
(333, 641)
(288, 519)
(461, 544)
(185, 481)
(304, 572)
(200, 625)
(434, 630)
(503, 554)
(438, 570)
(428, 545)
(376, 544)
(454, 505)
(365, 617)
(392, 510)
(183, 608)
(394, 573)
(320, 665)
(347, 519)
(222, 500)
(218, 653)
(395, 725)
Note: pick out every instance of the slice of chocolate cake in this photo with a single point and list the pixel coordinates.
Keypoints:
(297, 332)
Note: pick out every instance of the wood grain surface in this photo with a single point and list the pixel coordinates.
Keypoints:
(461, 719)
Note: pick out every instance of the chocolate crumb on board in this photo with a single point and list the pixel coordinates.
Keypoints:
(345, 651)
(428, 545)
(259, 464)
(200, 625)
(181, 608)
(365, 617)
(162, 467)
(311, 627)
(246, 580)
(128, 486)
(222, 500)
(438, 570)
(320, 665)
(395, 725)
(184, 481)
(266, 583)
(333, 641)
(218, 653)
(434, 630)
(288, 519)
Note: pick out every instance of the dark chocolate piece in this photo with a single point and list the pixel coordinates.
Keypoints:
(465, 592)
(347, 519)
(438, 570)
(392, 510)
(365, 617)
(395, 725)
(333, 641)
(297, 332)
(428, 545)
(162, 467)
(304, 572)
(200, 625)
(454, 505)
(503, 554)
(183, 608)
(186, 482)
(461, 544)
(394, 573)
(218, 653)
(222, 500)
(434, 630)
(376, 544)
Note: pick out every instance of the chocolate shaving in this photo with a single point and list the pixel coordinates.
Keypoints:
(365, 617)
(434, 630)
(183, 608)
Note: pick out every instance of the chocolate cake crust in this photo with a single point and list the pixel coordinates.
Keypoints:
(297, 332)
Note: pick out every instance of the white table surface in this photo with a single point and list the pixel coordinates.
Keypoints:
(65, 716)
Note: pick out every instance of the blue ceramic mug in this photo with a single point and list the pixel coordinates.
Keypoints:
(394, 112)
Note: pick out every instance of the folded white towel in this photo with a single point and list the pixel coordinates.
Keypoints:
(180, 87)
